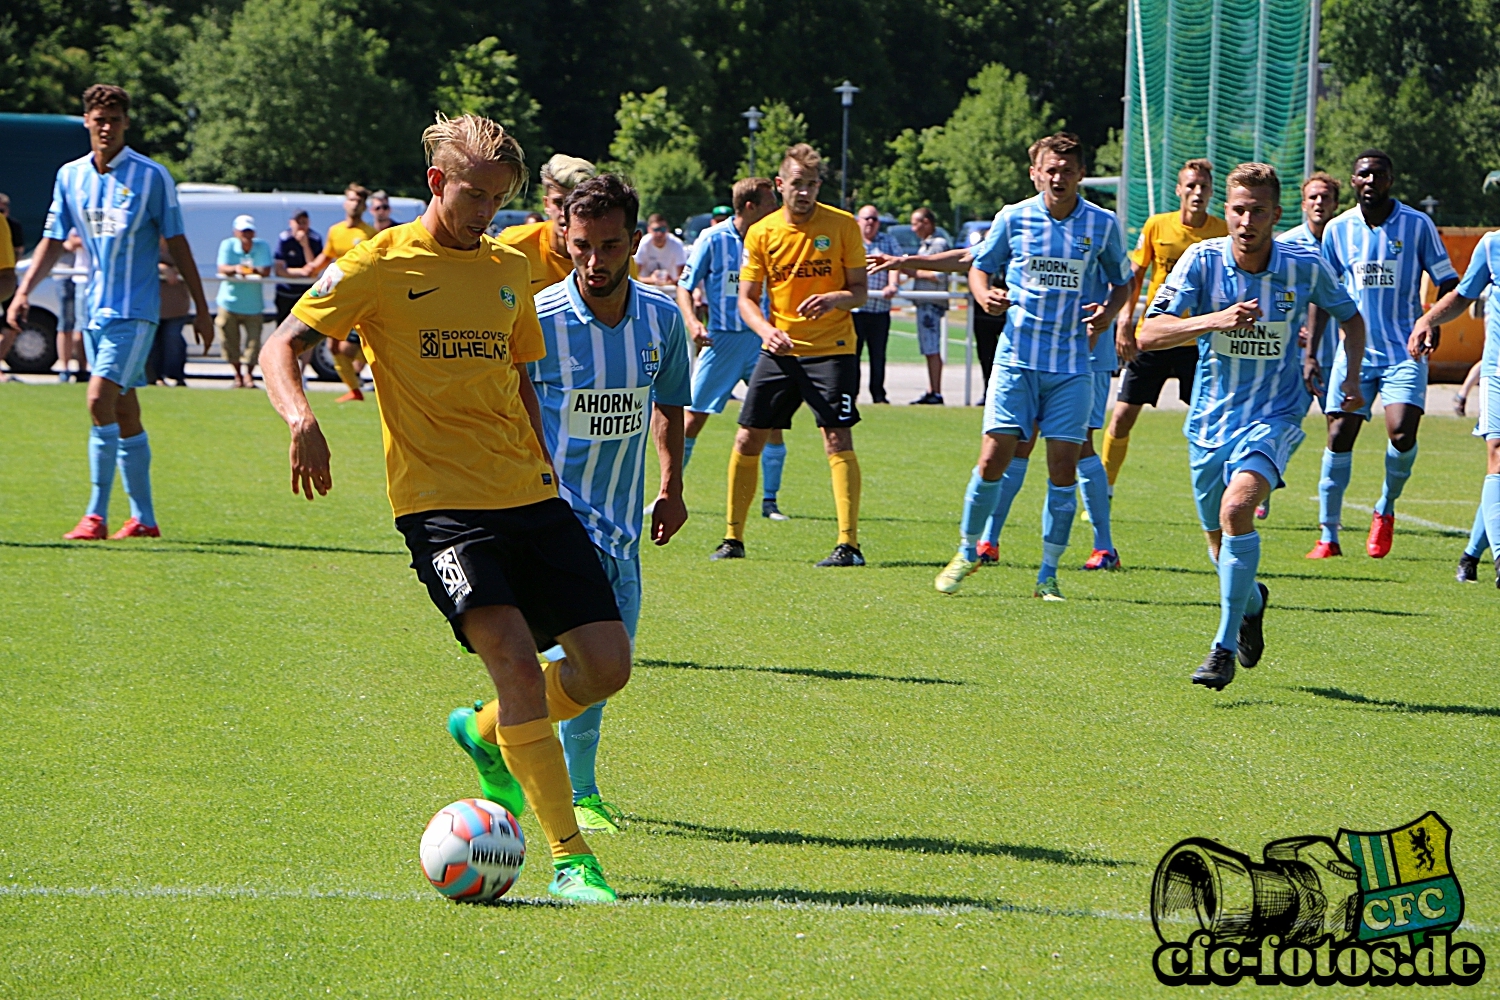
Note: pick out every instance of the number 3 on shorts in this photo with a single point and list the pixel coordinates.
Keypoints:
(846, 408)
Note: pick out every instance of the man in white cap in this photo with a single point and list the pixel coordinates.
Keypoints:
(241, 302)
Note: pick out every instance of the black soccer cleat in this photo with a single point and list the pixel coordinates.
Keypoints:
(1497, 572)
(729, 548)
(1468, 569)
(769, 509)
(844, 555)
(1252, 640)
(1217, 669)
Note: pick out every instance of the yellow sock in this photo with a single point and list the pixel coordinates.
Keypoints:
(560, 706)
(535, 757)
(844, 466)
(744, 471)
(345, 367)
(1113, 452)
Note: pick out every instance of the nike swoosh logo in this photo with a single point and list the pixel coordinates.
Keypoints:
(412, 293)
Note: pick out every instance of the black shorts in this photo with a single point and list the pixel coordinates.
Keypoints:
(537, 558)
(1144, 377)
(780, 383)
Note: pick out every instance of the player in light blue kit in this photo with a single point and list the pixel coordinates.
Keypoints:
(1379, 250)
(1243, 297)
(122, 204)
(1059, 269)
(616, 370)
(1483, 273)
(730, 348)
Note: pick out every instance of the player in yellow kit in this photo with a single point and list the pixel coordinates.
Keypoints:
(449, 325)
(812, 259)
(542, 242)
(1164, 238)
(343, 237)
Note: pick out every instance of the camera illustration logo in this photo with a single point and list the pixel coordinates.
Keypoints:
(1365, 908)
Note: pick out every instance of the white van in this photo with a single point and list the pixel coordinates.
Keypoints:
(208, 212)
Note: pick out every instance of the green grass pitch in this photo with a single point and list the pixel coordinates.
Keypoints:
(220, 749)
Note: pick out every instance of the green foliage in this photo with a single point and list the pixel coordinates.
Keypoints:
(1109, 156)
(913, 178)
(647, 123)
(143, 58)
(654, 146)
(982, 147)
(293, 91)
(43, 76)
(672, 182)
(481, 80)
(1448, 42)
(779, 129)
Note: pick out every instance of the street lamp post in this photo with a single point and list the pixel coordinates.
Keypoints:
(752, 119)
(846, 92)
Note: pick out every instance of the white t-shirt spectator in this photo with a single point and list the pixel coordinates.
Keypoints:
(668, 259)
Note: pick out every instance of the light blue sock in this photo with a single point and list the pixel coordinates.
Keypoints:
(104, 444)
(1491, 503)
(1336, 468)
(687, 450)
(1095, 483)
(1010, 485)
(1478, 535)
(1239, 558)
(1397, 471)
(979, 500)
(772, 458)
(1057, 525)
(580, 740)
(135, 474)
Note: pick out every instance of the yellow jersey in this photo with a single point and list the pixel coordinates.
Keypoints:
(444, 329)
(548, 267)
(1164, 239)
(343, 237)
(7, 248)
(796, 260)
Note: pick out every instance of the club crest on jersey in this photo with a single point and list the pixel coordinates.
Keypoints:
(1083, 244)
(508, 296)
(822, 243)
(122, 194)
(1395, 246)
(651, 359)
(1284, 299)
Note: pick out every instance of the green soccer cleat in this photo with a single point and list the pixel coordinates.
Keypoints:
(579, 879)
(597, 816)
(952, 576)
(1048, 590)
(495, 779)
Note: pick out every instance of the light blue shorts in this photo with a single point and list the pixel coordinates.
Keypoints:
(117, 350)
(1403, 382)
(1488, 391)
(929, 328)
(624, 577)
(1022, 398)
(1262, 448)
(1097, 412)
(722, 366)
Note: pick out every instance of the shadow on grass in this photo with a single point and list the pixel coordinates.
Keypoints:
(1245, 703)
(682, 892)
(912, 845)
(215, 546)
(909, 564)
(1205, 571)
(827, 675)
(1274, 607)
(1339, 694)
(290, 547)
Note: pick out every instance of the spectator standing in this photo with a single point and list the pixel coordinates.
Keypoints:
(872, 321)
(342, 237)
(168, 360)
(661, 256)
(72, 297)
(930, 314)
(987, 331)
(380, 208)
(297, 246)
(7, 288)
(17, 236)
(240, 301)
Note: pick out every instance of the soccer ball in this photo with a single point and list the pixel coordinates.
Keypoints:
(472, 851)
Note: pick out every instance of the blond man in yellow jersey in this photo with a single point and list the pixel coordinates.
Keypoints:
(812, 259)
(1164, 238)
(449, 325)
(343, 237)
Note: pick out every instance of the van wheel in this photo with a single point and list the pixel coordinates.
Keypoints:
(321, 361)
(35, 349)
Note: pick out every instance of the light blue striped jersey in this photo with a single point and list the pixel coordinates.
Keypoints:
(1328, 344)
(1052, 268)
(715, 263)
(596, 387)
(1253, 374)
(120, 215)
(1382, 270)
(1484, 272)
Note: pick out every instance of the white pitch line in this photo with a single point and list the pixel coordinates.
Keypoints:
(1410, 519)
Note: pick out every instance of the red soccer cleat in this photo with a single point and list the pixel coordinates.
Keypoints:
(135, 529)
(91, 528)
(1103, 559)
(987, 553)
(352, 396)
(1382, 526)
(1325, 550)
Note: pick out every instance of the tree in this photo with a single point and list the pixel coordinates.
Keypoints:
(143, 58)
(982, 147)
(654, 146)
(481, 80)
(293, 92)
(42, 76)
(672, 182)
(779, 129)
(647, 123)
(913, 178)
